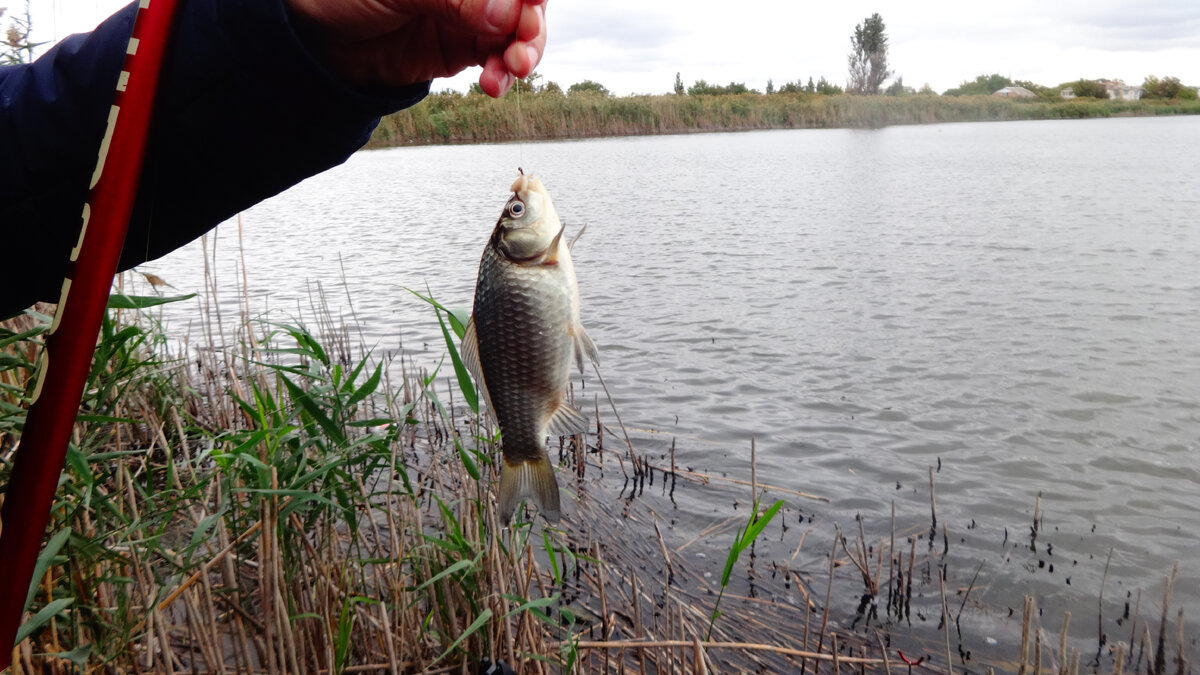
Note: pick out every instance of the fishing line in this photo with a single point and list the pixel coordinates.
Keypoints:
(520, 128)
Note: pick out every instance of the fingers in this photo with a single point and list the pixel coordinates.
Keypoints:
(520, 56)
(531, 23)
(495, 79)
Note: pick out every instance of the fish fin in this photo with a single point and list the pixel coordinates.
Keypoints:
(584, 346)
(571, 244)
(532, 479)
(566, 420)
(470, 358)
(551, 256)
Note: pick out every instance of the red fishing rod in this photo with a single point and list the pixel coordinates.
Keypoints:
(71, 343)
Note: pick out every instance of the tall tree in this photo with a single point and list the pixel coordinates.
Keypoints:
(868, 56)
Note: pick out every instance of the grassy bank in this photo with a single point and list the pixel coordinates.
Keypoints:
(269, 496)
(454, 118)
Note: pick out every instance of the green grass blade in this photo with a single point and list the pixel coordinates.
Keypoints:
(42, 618)
(478, 623)
(43, 563)
(368, 387)
(759, 523)
(460, 370)
(144, 301)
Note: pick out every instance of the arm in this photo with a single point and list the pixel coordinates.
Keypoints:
(256, 96)
(245, 111)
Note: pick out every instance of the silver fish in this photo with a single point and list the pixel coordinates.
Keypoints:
(523, 335)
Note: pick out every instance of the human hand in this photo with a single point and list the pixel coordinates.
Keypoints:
(399, 42)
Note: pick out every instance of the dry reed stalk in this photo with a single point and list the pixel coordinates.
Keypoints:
(1160, 652)
(946, 621)
(932, 508)
(1062, 642)
(174, 595)
(706, 478)
(1037, 652)
(1100, 599)
(1119, 659)
(1180, 657)
(710, 644)
(209, 615)
(1137, 607)
(828, 590)
(912, 556)
(1026, 620)
(887, 664)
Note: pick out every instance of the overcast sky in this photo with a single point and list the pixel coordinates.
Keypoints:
(637, 46)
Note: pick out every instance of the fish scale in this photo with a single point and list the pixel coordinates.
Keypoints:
(524, 312)
(523, 335)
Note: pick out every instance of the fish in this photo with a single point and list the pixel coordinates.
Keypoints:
(521, 340)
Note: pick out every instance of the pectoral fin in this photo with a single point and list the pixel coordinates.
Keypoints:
(583, 346)
(551, 257)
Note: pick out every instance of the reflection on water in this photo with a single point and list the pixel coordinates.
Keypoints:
(1018, 302)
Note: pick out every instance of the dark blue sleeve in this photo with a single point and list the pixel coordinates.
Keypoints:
(244, 112)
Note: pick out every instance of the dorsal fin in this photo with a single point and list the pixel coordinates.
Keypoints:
(571, 243)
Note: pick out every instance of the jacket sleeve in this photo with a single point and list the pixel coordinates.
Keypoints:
(244, 111)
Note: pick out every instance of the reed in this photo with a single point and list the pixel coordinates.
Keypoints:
(267, 500)
(450, 117)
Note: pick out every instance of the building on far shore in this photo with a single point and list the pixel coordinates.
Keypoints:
(1118, 90)
(1014, 92)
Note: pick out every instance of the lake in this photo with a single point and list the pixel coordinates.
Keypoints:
(1014, 304)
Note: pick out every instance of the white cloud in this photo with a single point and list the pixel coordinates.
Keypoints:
(632, 46)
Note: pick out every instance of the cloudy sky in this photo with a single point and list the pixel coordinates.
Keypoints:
(637, 46)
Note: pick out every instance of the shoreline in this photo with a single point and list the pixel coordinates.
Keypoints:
(450, 118)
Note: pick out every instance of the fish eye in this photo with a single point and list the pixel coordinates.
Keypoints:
(516, 209)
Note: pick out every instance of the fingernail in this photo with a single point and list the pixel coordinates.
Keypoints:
(534, 56)
(497, 13)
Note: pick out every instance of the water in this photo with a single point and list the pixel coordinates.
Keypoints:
(1017, 303)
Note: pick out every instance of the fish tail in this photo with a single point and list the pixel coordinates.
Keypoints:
(531, 479)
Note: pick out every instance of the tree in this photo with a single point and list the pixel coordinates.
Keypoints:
(811, 88)
(588, 87)
(770, 86)
(702, 87)
(981, 86)
(868, 58)
(679, 89)
(827, 88)
(528, 84)
(1167, 87)
(1088, 89)
(897, 88)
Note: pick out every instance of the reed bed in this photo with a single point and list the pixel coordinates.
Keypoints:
(266, 498)
(454, 118)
